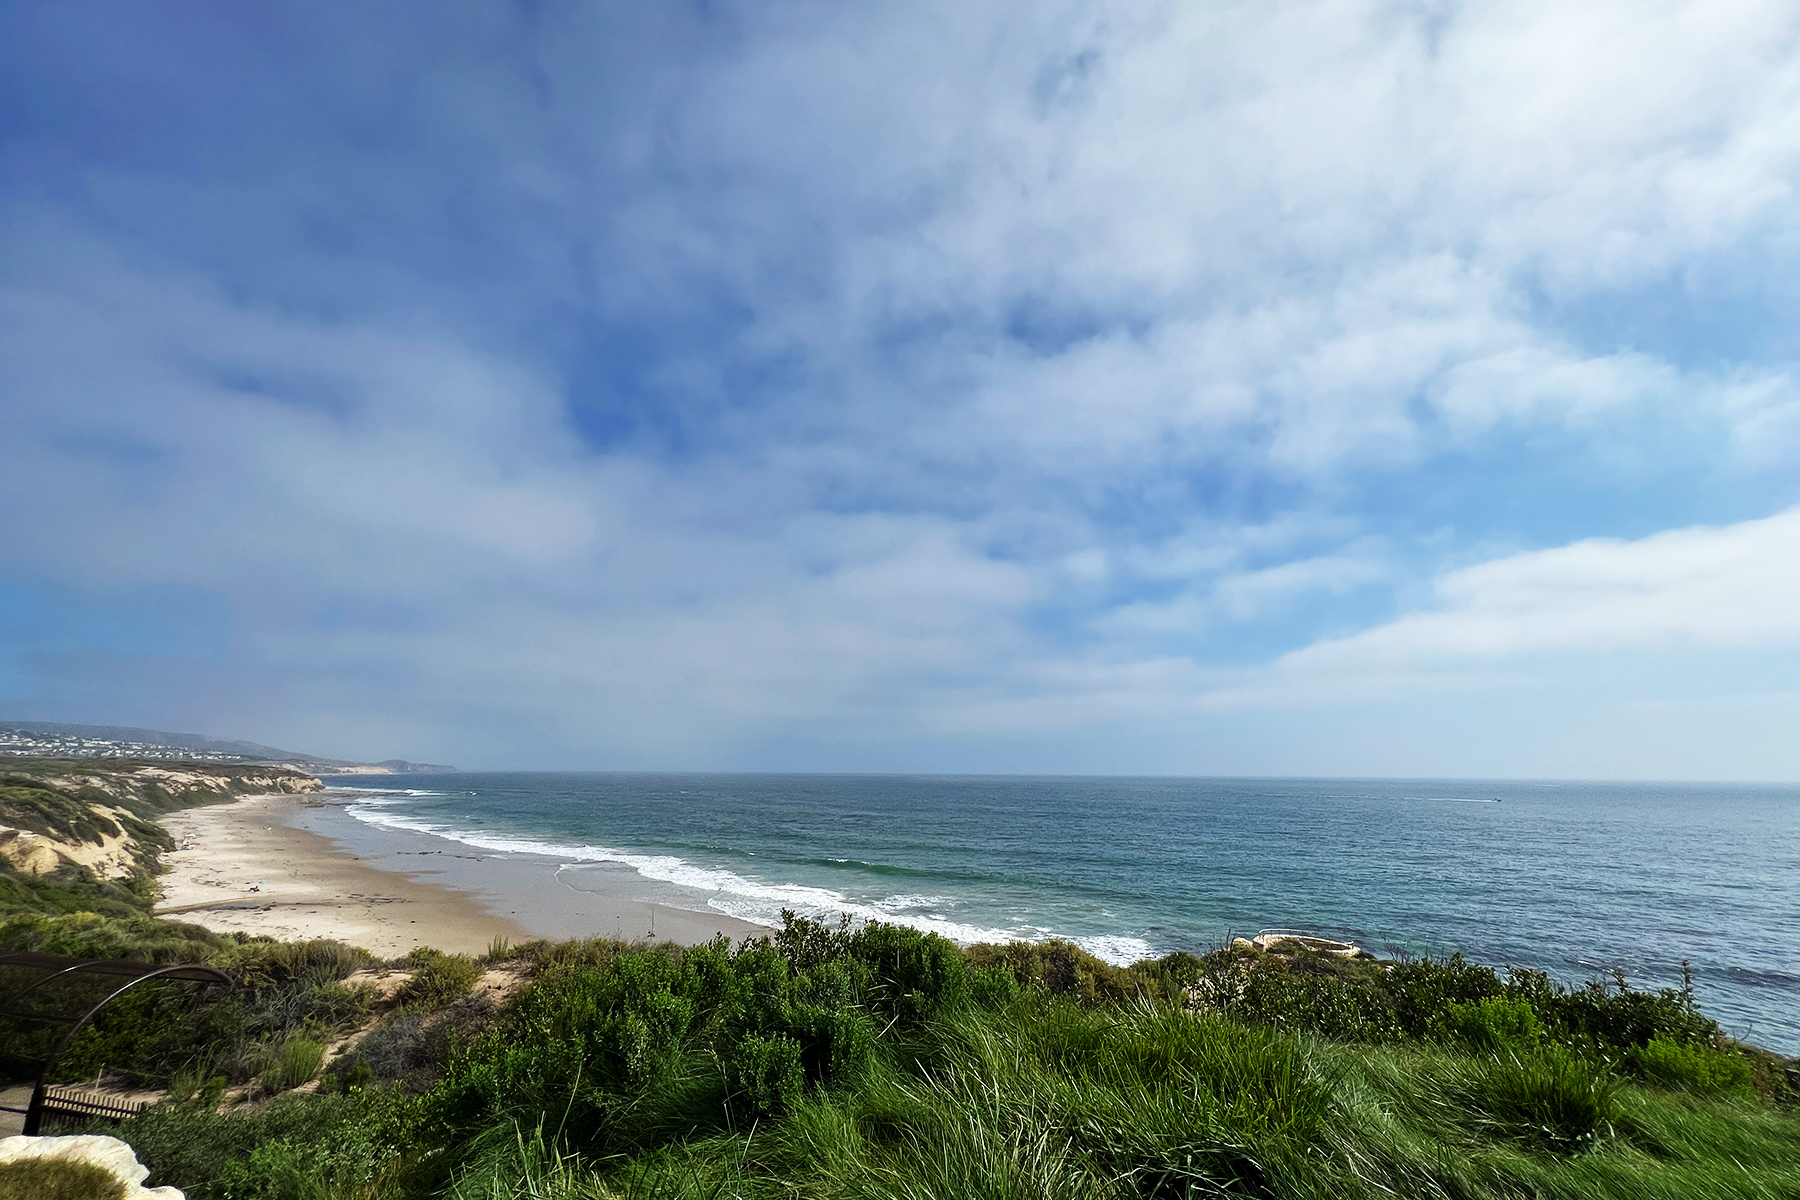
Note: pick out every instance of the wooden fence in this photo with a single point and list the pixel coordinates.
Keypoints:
(72, 1104)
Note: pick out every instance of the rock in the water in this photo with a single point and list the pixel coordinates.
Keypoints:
(108, 1153)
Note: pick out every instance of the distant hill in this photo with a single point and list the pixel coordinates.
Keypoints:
(60, 739)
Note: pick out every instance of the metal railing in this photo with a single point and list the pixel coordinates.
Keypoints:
(123, 973)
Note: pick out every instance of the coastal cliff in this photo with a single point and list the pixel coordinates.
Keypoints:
(98, 815)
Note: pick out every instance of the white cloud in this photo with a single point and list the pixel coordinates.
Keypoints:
(1051, 336)
(1736, 586)
(1248, 594)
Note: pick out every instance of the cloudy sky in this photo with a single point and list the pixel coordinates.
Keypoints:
(1215, 388)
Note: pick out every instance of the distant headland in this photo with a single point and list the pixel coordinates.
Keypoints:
(54, 739)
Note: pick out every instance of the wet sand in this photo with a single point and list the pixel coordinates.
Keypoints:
(320, 873)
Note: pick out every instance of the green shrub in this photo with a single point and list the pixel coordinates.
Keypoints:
(295, 1147)
(297, 1063)
(352, 1079)
(1693, 1067)
(1618, 1016)
(1302, 992)
(334, 1007)
(185, 1084)
(57, 1179)
(1491, 1024)
(262, 965)
(1062, 969)
(393, 1049)
(767, 1077)
(994, 987)
(438, 980)
(211, 1093)
(80, 926)
(913, 976)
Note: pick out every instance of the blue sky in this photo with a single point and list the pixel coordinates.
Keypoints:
(1277, 388)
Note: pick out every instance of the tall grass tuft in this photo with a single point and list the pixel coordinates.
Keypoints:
(1552, 1098)
(296, 1064)
(57, 1179)
(438, 979)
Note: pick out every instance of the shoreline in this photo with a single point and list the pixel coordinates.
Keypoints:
(317, 872)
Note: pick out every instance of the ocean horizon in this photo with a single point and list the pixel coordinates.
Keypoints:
(1581, 879)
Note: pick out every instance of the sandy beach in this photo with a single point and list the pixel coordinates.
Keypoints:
(298, 867)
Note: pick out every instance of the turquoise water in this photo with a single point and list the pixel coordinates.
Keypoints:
(1573, 878)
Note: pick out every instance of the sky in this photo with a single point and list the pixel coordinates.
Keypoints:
(1273, 388)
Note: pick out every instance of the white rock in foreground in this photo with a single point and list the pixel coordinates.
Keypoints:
(105, 1152)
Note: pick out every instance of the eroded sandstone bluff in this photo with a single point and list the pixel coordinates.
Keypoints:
(99, 815)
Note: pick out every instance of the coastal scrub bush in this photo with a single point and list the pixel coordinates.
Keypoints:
(829, 1065)
(334, 1007)
(1619, 1017)
(262, 964)
(1061, 968)
(145, 1034)
(86, 929)
(913, 976)
(1692, 1067)
(293, 1147)
(994, 987)
(192, 1085)
(1495, 1023)
(1430, 1000)
(766, 1075)
(438, 979)
(1301, 994)
(351, 1078)
(393, 1049)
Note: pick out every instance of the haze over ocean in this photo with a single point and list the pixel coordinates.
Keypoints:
(1576, 879)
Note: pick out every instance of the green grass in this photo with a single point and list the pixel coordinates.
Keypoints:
(294, 1064)
(1053, 1100)
(57, 1179)
(833, 1064)
(438, 980)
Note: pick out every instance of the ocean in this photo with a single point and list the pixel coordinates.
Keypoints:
(1577, 879)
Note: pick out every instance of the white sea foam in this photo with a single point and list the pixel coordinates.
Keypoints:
(1119, 951)
(733, 894)
(375, 791)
